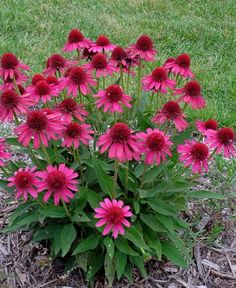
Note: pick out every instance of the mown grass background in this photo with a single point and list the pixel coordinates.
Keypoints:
(204, 29)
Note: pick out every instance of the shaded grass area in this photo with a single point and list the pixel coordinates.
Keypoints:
(204, 29)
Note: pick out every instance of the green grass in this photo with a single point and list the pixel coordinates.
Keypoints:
(204, 29)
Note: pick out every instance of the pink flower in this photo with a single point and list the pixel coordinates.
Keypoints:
(78, 80)
(43, 91)
(25, 181)
(221, 140)
(10, 66)
(118, 58)
(155, 144)
(112, 214)
(100, 65)
(59, 182)
(202, 127)
(68, 108)
(35, 79)
(171, 112)
(112, 99)
(8, 83)
(76, 41)
(158, 81)
(73, 133)
(191, 94)
(4, 155)
(87, 55)
(102, 44)
(57, 63)
(41, 126)
(143, 48)
(120, 141)
(194, 153)
(13, 104)
(179, 66)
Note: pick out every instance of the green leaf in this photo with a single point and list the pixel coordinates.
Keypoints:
(93, 198)
(143, 122)
(138, 171)
(105, 181)
(154, 242)
(109, 267)
(95, 265)
(23, 221)
(79, 216)
(152, 222)
(124, 247)
(108, 242)
(21, 209)
(68, 235)
(170, 251)
(161, 207)
(203, 194)
(152, 174)
(54, 233)
(179, 139)
(138, 261)
(179, 244)
(135, 237)
(120, 260)
(87, 244)
(53, 212)
(167, 222)
(40, 235)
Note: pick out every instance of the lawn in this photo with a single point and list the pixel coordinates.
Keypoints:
(204, 29)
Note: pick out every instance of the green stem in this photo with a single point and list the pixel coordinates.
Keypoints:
(126, 177)
(103, 82)
(116, 168)
(15, 85)
(185, 106)
(121, 76)
(4, 171)
(65, 208)
(115, 117)
(34, 159)
(139, 84)
(78, 53)
(45, 153)
(55, 151)
(80, 167)
(16, 118)
(143, 176)
(80, 97)
(212, 154)
(128, 80)
(98, 82)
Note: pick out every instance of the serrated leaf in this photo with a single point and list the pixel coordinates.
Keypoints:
(120, 260)
(138, 261)
(124, 247)
(68, 235)
(87, 244)
(170, 251)
(179, 244)
(108, 242)
(167, 222)
(161, 207)
(204, 194)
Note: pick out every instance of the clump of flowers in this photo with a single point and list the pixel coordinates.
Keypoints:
(112, 151)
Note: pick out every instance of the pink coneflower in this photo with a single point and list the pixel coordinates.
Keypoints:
(100, 65)
(57, 63)
(4, 155)
(179, 65)
(73, 133)
(143, 48)
(171, 112)
(194, 153)
(25, 181)
(155, 144)
(168, 60)
(10, 65)
(202, 127)
(78, 80)
(222, 140)
(120, 142)
(13, 104)
(191, 94)
(8, 83)
(40, 126)
(112, 99)
(76, 41)
(59, 182)
(102, 44)
(43, 91)
(113, 214)
(87, 55)
(69, 108)
(118, 58)
(35, 79)
(158, 81)
(52, 80)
